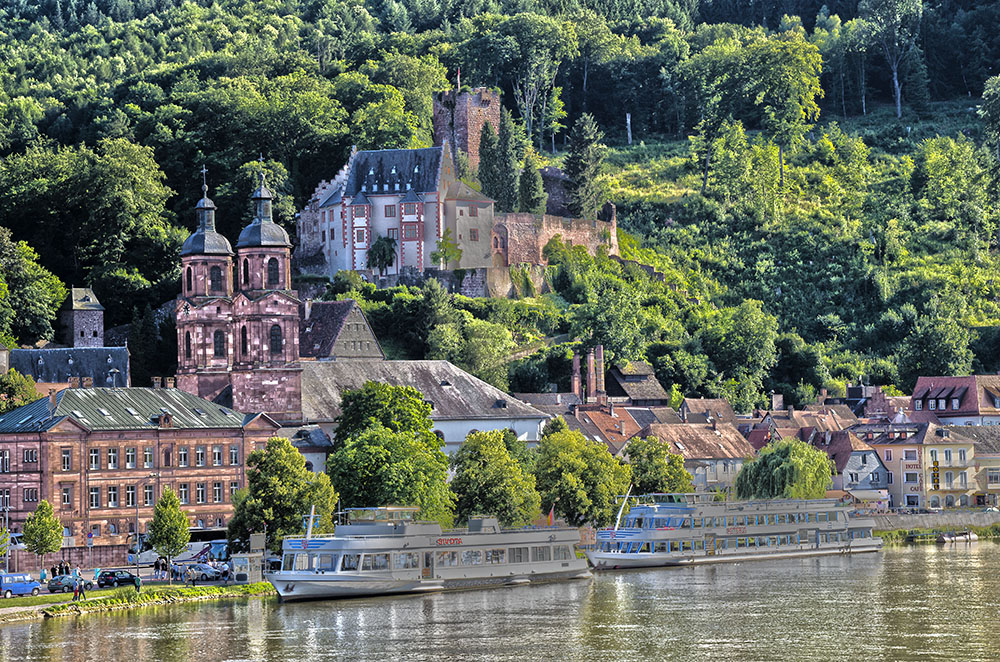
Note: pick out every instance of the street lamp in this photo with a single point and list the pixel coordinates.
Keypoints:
(138, 540)
(6, 527)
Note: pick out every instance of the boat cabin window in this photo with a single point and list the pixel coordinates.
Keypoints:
(561, 553)
(445, 559)
(496, 555)
(406, 561)
(518, 554)
(350, 562)
(301, 561)
(288, 562)
(472, 557)
(375, 562)
(541, 553)
(325, 562)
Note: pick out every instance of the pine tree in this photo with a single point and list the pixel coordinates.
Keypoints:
(531, 195)
(583, 165)
(509, 145)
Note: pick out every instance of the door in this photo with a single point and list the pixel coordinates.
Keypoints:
(710, 544)
(428, 570)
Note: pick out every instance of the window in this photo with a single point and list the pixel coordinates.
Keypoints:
(130, 496)
(409, 209)
(215, 279)
(541, 554)
(949, 479)
(888, 477)
(182, 456)
(993, 476)
(474, 211)
(358, 211)
(272, 273)
(875, 476)
(496, 555)
(473, 233)
(189, 280)
(392, 233)
(961, 455)
(275, 339)
(472, 557)
(95, 459)
(954, 403)
(30, 494)
(910, 477)
(947, 455)
(113, 496)
(246, 271)
(322, 236)
(910, 455)
(409, 231)
(233, 486)
(5, 498)
(864, 458)
(390, 211)
(918, 405)
(244, 345)
(219, 344)
(199, 456)
(853, 477)
(112, 458)
(216, 456)
(518, 554)
(217, 492)
(934, 455)
(888, 455)
(30, 455)
(359, 236)
(67, 496)
(182, 493)
(147, 458)
(5, 462)
(130, 458)
(932, 404)
(234, 455)
(187, 344)
(942, 404)
(147, 495)
(963, 480)
(95, 497)
(200, 493)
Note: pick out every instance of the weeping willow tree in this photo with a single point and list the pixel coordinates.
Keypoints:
(786, 469)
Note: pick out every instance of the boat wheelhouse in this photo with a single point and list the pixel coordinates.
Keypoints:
(694, 528)
(387, 550)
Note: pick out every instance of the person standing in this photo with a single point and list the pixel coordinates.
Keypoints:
(78, 573)
(41, 575)
(83, 589)
(156, 569)
(54, 572)
(138, 584)
(76, 591)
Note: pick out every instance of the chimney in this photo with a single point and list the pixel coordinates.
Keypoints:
(602, 395)
(591, 377)
(558, 398)
(53, 401)
(309, 307)
(684, 413)
(74, 382)
(715, 423)
(168, 382)
(88, 382)
(611, 408)
(777, 402)
(156, 382)
(575, 379)
(574, 410)
(791, 410)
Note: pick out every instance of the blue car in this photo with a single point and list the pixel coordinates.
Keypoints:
(18, 584)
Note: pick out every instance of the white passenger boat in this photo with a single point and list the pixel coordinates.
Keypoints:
(386, 550)
(686, 529)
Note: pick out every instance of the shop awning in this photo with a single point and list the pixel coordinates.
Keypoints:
(869, 495)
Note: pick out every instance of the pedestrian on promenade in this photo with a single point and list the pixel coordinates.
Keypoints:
(54, 571)
(97, 574)
(191, 577)
(83, 589)
(156, 569)
(138, 584)
(76, 591)
(78, 573)
(41, 575)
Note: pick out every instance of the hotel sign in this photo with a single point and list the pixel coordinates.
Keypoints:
(911, 465)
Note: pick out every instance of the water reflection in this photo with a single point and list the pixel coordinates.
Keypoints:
(905, 604)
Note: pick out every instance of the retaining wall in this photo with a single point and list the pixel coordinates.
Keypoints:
(957, 519)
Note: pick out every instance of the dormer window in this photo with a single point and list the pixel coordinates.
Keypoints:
(942, 404)
(954, 403)
(932, 404)
(918, 405)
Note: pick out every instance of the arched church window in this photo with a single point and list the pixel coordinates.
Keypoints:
(246, 271)
(272, 272)
(189, 280)
(215, 279)
(187, 344)
(219, 344)
(244, 345)
(275, 339)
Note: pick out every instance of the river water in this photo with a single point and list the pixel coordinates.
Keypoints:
(907, 603)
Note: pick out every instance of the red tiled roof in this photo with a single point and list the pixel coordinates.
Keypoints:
(974, 392)
(699, 441)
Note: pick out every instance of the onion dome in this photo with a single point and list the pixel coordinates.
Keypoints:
(263, 231)
(205, 240)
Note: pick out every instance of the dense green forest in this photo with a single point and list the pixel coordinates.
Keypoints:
(816, 182)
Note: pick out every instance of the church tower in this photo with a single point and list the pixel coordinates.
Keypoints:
(265, 375)
(204, 309)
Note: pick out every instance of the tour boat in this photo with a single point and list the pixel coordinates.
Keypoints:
(386, 550)
(694, 528)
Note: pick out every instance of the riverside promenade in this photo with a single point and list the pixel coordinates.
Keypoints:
(950, 519)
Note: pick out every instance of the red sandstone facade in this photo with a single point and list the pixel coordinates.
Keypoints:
(459, 117)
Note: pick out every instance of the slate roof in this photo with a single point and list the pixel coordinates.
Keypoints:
(306, 437)
(374, 168)
(454, 393)
(82, 298)
(56, 366)
(646, 388)
(839, 446)
(323, 326)
(698, 441)
(122, 409)
(263, 233)
(634, 368)
(461, 191)
(649, 415)
(717, 408)
(915, 433)
(985, 438)
(333, 198)
(975, 393)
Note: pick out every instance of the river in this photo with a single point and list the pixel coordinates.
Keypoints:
(907, 603)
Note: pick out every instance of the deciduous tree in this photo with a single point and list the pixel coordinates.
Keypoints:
(169, 532)
(655, 468)
(489, 481)
(382, 254)
(16, 390)
(895, 26)
(43, 533)
(786, 469)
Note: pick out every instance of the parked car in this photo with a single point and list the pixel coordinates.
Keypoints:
(12, 584)
(66, 583)
(205, 572)
(115, 578)
(16, 541)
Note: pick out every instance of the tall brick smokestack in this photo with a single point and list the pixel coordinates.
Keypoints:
(602, 395)
(575, 382)
(591, 377)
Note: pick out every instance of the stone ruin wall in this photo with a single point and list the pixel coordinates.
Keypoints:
(527, 235)
(459, 119)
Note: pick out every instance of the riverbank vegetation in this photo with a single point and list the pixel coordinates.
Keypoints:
(902, 536)
(129, 598)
